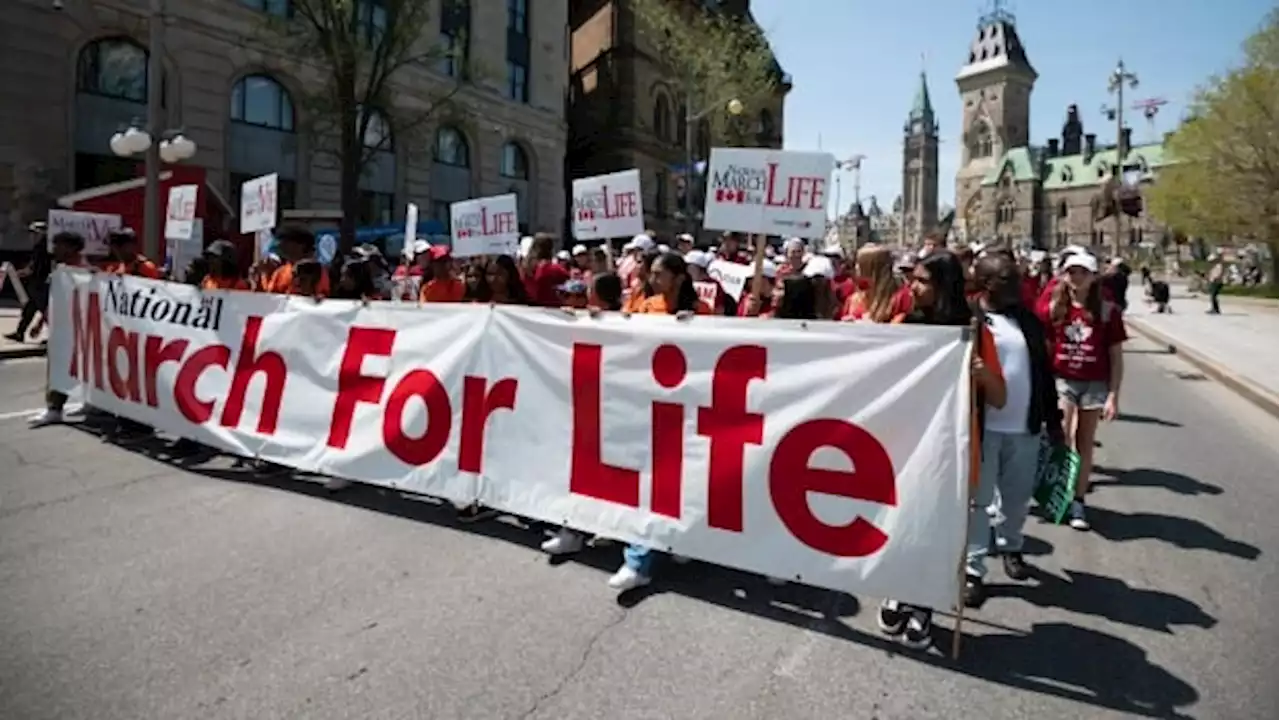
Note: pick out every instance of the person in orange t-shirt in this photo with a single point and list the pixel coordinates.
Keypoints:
(296, 243)
(223, 271)
(443, 286)
(673, 289)
(125, 258)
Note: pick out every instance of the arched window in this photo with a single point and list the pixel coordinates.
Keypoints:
(662, 118)
(514, 163)
(980, 141)
(1062, 209)
(451, 148)
(114, 68)
(378, 180)
(1005, 211)
(262, 101)
(262, 139)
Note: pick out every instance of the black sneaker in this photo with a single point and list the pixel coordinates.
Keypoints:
(893, 617)
(475, 512)
(919, 632)
(974, 591)
(1015, 566)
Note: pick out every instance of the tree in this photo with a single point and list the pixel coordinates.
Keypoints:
(361, 51)
(1221, 178)
(713, 58)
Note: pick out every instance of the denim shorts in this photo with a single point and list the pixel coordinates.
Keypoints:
(1084, 394)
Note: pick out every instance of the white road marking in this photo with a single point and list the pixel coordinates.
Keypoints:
(19, 414)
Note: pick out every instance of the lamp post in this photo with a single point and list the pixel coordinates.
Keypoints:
(1115, 85)
(734, 107)
(854, 163)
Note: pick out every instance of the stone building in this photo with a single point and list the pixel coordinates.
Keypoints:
(919, 168)
(1012, 192)
(75, 73)
(625, 111)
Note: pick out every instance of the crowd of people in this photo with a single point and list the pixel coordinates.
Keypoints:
(1047, 361)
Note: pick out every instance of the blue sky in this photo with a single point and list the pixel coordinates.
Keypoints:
(856, 65)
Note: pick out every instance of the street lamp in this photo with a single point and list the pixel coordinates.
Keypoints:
(1115, 86)
(854, 163)
(734, 107)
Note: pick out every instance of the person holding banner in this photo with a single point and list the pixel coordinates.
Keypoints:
(224, 270)
(758, 297)
(698, 262)
(938, 292)
(296, 243)
(542, 273)
(641, 288)
(125, 258)
(502, 278)
(68, 250)
(821, 272)
(440, 283)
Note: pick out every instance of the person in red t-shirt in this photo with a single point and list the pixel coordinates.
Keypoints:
(698, 262)
(1085, 337)
(542, 274)
(731, 249)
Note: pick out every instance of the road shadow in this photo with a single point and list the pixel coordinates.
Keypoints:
(1146, 420)
(1054, 659)
(1152, 478)
(1108, 598)
(1185, 533)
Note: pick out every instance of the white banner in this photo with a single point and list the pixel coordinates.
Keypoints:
(180, 212)
(833, 453)
(733, 277)
(768, 192)
(259, 203)
(485, 226)
(608, 206)
(93, 227)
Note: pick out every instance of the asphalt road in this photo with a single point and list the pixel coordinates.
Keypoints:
(133, 588)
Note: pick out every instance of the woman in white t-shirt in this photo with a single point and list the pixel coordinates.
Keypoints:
(1011, 434)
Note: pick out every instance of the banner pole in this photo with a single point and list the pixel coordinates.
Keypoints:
(974, 335)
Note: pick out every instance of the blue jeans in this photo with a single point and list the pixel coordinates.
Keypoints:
(1003, 496)
(638, 558)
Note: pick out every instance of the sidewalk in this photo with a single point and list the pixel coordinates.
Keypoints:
(9, 313)
(1239, 348)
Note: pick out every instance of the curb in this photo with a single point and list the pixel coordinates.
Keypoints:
(1237, 383)
(22, 351)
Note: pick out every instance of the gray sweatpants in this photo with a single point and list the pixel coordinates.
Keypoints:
(1002, 499)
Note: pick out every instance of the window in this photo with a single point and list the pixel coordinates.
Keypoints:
(518, 16)
(287, 191)
(662, 118)
(260, 100)
(704, 140)
(1062, 209)
(1135, 236)
(980, 143)
(1067, 176)
(660, 193)
(114, 68)
(455, 26)
(766, 123)
(1062, 238)
(515, 164)
(1005, 212)
(517, 81)
(370, 20)
(451, 148)
(682, 117)
(376, 208)
(279, 8)
(440, 213)
(377, 134)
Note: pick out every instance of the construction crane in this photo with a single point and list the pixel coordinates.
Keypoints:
(1150, 108)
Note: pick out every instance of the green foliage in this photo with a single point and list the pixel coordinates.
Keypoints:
(1222, 181)
(1256, 291)
(713, 58)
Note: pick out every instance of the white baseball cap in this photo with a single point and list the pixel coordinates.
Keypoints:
(563, 255)
(792, 244)
(641, 242)
(526, 245)
(699, 258)
(819, 266)
(1081, 260)
(579, 249)
(420, 247)
(684, 237)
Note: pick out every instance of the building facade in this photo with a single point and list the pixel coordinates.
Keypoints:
(626, 112)
(1011, 192)
(919, 168)
(76, 73)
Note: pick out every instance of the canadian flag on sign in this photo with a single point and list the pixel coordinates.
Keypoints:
(464, 233)
(587, 214)
(728, 195)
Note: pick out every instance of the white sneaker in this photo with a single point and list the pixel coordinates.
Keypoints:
(564, 542)
(48, 416)
(336, 484)
(1076, 516)
(627, 579)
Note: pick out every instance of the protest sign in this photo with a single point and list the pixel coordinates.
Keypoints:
(180, 212)
(259, 203)
(608, 206)
(733, 277)
(93, 227)
(835, 454)
(485, 226)
(768, 192)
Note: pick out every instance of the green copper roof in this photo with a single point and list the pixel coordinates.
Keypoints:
(921, 107)
(1071, 171)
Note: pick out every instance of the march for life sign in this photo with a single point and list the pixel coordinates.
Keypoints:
(485, 226)
(733, 277)
(768, 192)
(608, 206)
(180, 212)
(259, 203)
(832, 453)
(93, 227)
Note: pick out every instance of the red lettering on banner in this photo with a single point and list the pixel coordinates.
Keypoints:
(729, 427)
(271, 365)
(125, 387)
(184, 386)
(155, 353)
(791, 479)
(479, 402)
(86, 343)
